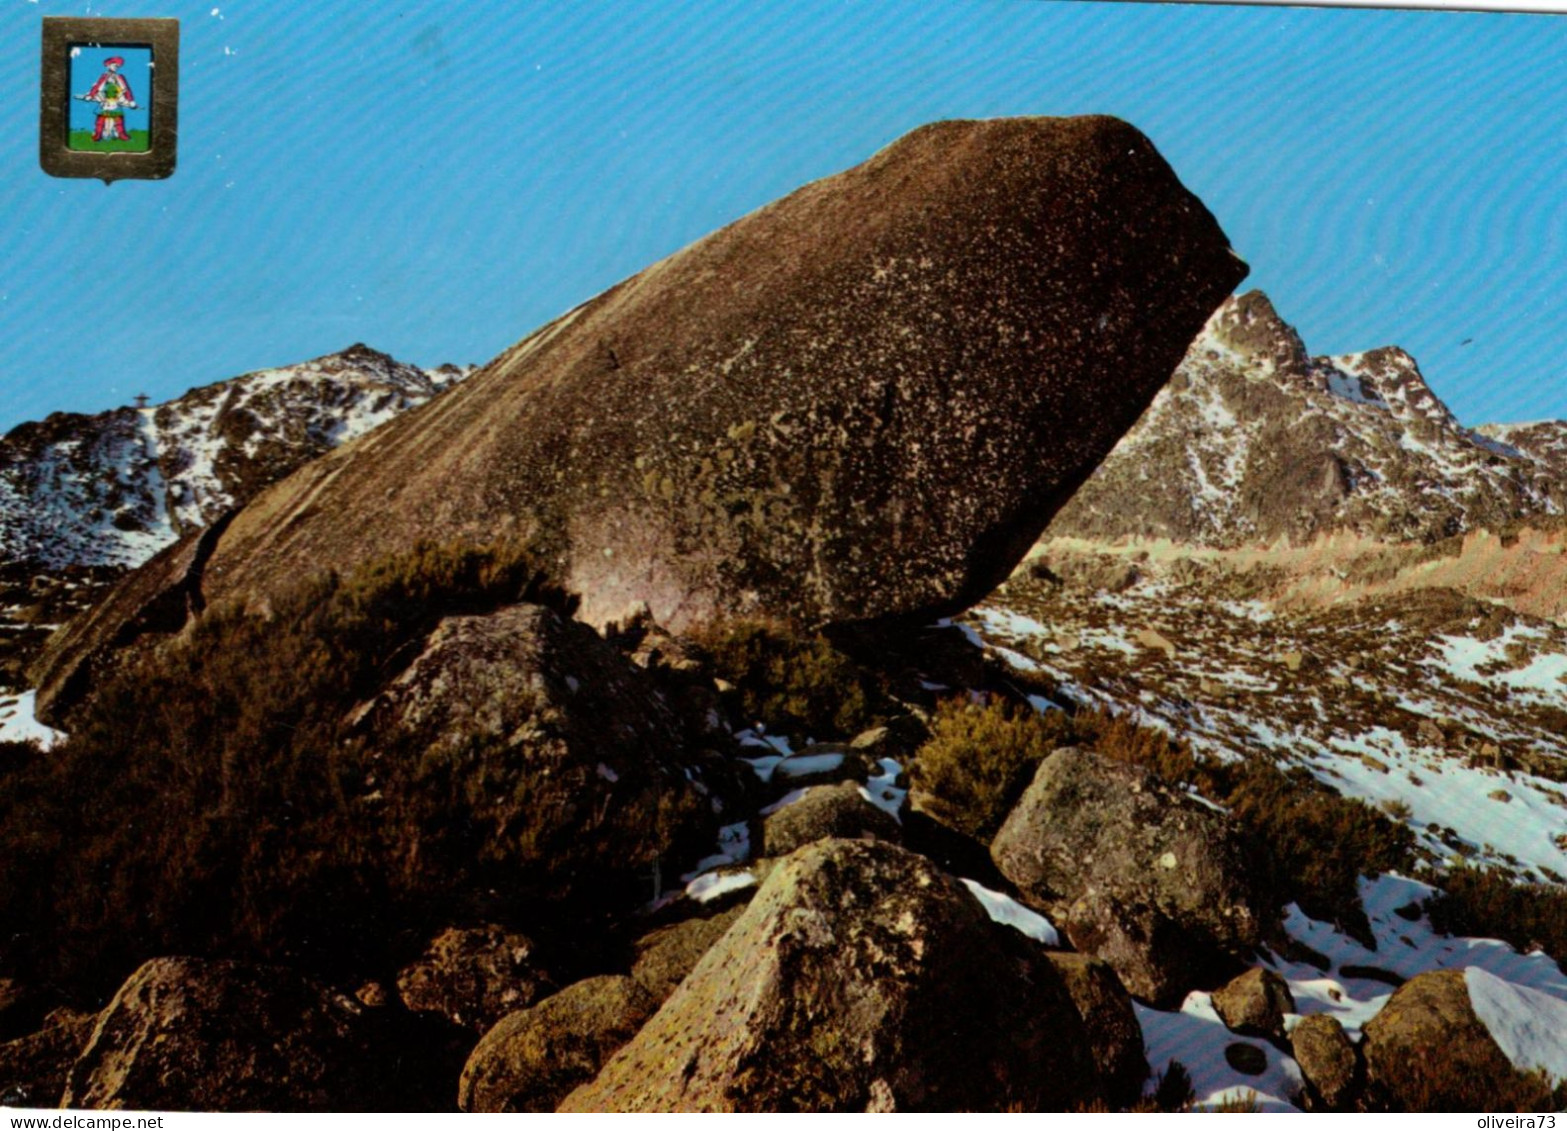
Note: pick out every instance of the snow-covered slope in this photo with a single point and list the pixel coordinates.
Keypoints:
(1446, 711)
(116, 487)
(1254, 440)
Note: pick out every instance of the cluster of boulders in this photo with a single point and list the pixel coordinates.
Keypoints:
(839, 967)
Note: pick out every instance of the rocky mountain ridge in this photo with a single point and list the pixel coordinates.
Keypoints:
(1254, 442)
(113, 488)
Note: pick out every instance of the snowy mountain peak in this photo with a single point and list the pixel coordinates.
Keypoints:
(1247, 331)
(1253, 440)
(115, 487)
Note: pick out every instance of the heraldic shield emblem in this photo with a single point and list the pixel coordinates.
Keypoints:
(109, 98)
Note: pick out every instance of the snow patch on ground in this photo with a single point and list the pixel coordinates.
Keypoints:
(18, 724)
(1009, 912)
(881, 789)
(714, 884)
(1197, 1038)
(1530, 1026)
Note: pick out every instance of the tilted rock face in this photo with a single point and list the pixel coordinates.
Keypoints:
(859, 978)
(665, 955)
(863, 401)
(1253, 440)
(187, 1034)
(1255, 1003)
(1327, 1061)
(1113, 1032)
(1149, 880)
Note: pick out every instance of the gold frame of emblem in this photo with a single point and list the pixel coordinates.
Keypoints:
(60, 34)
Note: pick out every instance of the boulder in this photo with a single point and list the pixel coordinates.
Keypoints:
(826, 811)
(666, 955)
(1255, 1003)
(1147, 878)
(1114, 1035)
(1327, 1062)
(188, 1034)
(474, 977)
(859, 978)
(533, 1058)
(563, 760)
(33, 1068)
(1427, 1050)
(799, 416)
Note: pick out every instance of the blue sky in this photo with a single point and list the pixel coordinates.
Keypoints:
(438, 179)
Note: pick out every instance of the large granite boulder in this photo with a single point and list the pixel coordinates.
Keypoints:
(859, 978)
(535, 1057)
(187, 1034)
(1147, 878)
(802, 415)
(1428, 1050)
(565, 759)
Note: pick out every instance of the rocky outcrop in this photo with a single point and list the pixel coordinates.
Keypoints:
(1255, 1003)
(474, 977)
(187, 1034)
(1327, 1062)
(565, 757)
(859, 978)
(1427, 1050)
(826, 811)
(1149, 880)
(33, 1068)
(1114, 1036)
(534, 1058)
(801, 416)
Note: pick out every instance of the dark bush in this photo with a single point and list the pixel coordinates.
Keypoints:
(200, 805)
(1311, 845)
(1488, 903)
(799, 685)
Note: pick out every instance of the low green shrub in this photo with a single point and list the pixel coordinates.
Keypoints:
(1488, 903)
(800, 685)
(979, 759)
